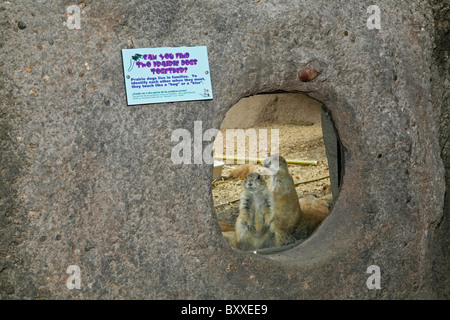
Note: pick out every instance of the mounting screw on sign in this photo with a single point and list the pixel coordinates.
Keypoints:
(374, 281)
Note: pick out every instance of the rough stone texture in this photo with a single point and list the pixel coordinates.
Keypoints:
(88, 181)
(440, 94)
(334, 153)
(274, 108)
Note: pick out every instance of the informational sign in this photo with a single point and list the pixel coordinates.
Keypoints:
(156, 75)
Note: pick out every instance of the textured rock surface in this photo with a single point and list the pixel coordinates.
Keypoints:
(273, 108)
(88, 181)
(334, 153)
(440, 94)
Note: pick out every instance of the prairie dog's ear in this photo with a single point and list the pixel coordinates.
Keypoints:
(267, 162)
(273, 162)
(273, 158)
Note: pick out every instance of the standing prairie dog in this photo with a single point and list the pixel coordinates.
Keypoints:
(287, 213)
(254, 227)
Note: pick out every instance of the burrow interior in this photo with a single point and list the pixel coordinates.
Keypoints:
(298, 119)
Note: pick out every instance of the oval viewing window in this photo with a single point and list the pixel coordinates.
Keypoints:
(257, 210)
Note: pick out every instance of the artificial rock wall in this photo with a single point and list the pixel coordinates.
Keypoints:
(88, 180)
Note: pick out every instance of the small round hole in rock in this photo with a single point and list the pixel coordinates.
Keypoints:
(247, 206)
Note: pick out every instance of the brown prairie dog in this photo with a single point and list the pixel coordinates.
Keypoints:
(254, 227)
(314, 211)
(224, 226)
(228, 232)
(231, 237)
(326, 189)
(287, 213)
(242, 171)
(326, 193)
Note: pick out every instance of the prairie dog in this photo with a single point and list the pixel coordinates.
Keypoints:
(228, 232)
(254, 227)
(231, 237)
(327, 195)
(314, 211)
(326, 189)
(224, 226)
(242, 171)
(287, 213)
